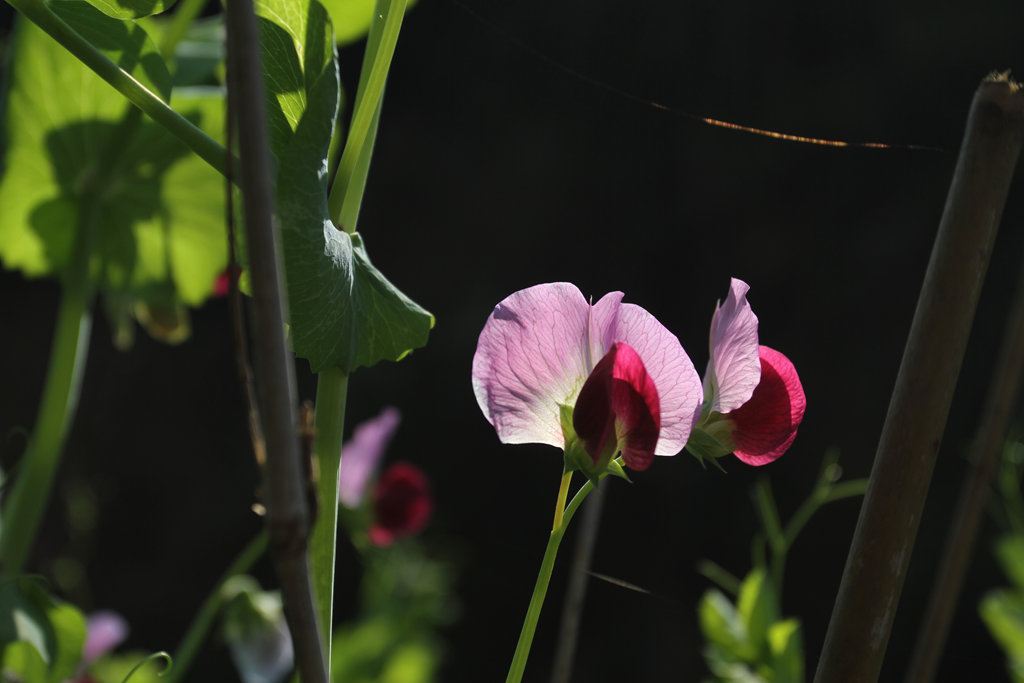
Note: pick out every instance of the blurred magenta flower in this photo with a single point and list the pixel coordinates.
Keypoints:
(552, 368)
(361, 455)
(753, 399)
(402, 504)
(104, 631)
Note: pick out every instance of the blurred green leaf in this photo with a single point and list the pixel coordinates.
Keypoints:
(722, 626)
(37, 630)
(1010, 552)
(115, 668)
(22, 659)
(131, 9)
(351, 19)
(344, 312)
(160, 217)
(1003, 612)
(757, 610)
(787, 653)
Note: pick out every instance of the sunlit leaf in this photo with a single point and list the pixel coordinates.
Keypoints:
(351, 19)
(344, 312)
(787, 652)
(756, 608)
(157, 207)
(1003, 613)
(37, 630)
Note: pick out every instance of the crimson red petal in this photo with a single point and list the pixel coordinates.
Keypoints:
(402, 503)
(619, 390)
(765, 426)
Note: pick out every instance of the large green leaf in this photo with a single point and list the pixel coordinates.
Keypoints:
(344, 312)
(757, 609)
(351, 18)
(160, 235)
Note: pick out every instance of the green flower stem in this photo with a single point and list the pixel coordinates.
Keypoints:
(32, 487)
(331, 393)
(515, 672)
(346, 194)
(195, 139)
(198, 630)
(773, 531)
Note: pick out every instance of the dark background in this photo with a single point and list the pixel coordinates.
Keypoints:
(516, 147)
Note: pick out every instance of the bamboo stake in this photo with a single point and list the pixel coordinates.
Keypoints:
(880, 553)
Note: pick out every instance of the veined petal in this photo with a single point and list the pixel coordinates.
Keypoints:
(666, 363)
(619, 401)
(765, 426)
(360, 456)
(532, 357)
(734, 368)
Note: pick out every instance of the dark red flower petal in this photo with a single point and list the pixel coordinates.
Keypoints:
(402, 503)
(619, 390)
(764, 427)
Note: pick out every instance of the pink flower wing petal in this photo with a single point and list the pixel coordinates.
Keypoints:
(735, 367)
(360, 456)
(619, 400)
(532, 357)
(634, 401)
(766, 425)
(678, 385)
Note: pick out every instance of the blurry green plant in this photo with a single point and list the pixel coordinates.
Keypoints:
(1002, 609)
(748, 639)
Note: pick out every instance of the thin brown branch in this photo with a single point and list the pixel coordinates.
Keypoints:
(284, 484)
(880, 553)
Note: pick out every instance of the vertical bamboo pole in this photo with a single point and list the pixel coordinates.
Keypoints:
(880, 553)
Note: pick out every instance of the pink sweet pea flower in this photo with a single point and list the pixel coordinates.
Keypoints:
(546, 355)
(402, 504)
(753, 399)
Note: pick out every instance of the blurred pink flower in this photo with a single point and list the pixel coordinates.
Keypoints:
(402, 504)
(361, 455)
(546, 353)
(104, 631)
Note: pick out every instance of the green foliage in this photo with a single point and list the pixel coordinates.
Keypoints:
(131, 9)
(76, 160)
(406, 596)
(40, 638)
(130, 667)
(351, 19)
(344, 312)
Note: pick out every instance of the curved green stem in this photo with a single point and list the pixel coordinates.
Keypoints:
(547, 564)
(186, 12)
(31, 490)
(350, 181)
(198, 630)
(331, 394)
(195, 139)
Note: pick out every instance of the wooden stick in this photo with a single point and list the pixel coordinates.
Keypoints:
(284, 485)
(880, 553)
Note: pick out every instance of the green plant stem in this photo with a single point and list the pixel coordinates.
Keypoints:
(350, 182)
(547, 564)
(184, 14)
(198, 630)
(31, 489)
(331, 394)
(832, 493)
(773, 532)
(32, 486)
(195, 139)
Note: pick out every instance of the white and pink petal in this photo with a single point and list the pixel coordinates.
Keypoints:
(734, 368)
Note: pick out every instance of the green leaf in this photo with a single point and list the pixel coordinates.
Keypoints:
(351, 19)
(1010, 552)
(787, 652)
(53, 631)
(131, 9)
(757, 610)
(344, 312)
(721, 624)
(22, 659)
(1003, 612)
(157, 208)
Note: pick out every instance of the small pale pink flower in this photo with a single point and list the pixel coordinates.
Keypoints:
(361, 455)
(546, 353)
(753, 399)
